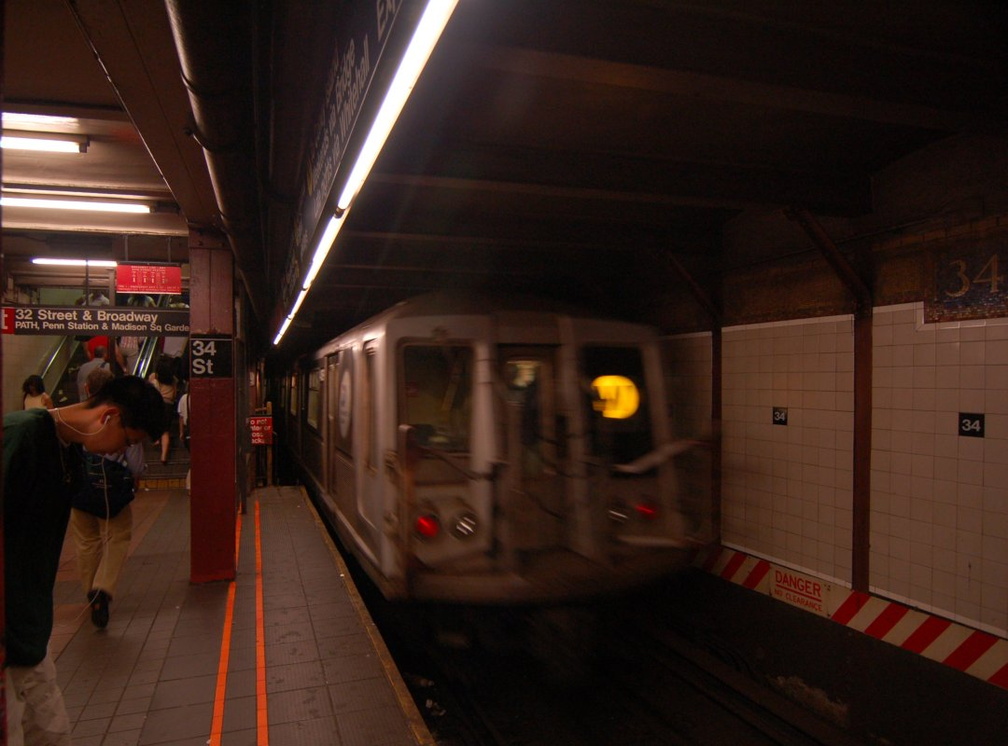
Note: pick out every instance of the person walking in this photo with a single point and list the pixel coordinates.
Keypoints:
(101, 519)
(164, 379)
(41, 463)
(98, 361)
(35, 394)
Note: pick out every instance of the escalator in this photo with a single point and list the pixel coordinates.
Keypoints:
(59, 373)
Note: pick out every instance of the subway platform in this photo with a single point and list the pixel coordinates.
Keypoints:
(285, 655)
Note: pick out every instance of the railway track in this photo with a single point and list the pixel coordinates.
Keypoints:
(646, 686)
(479, 682)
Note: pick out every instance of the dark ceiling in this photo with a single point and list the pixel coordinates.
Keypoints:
(581, 149)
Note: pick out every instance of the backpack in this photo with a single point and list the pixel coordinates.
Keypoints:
(106, 486)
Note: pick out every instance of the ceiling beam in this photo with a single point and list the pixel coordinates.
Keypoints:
(734, 90)
(133, 44)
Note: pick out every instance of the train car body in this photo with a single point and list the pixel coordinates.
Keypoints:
(475, 451)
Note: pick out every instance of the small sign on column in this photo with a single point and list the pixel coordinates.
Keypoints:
(261, 429)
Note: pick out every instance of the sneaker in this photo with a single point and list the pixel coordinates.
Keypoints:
(99, 608)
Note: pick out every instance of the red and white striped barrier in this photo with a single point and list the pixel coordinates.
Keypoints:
(971, 651)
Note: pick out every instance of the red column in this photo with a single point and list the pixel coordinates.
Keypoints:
(213, 460)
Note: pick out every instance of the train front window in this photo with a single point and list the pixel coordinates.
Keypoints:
(616, 406)
(437, 381)
(524, 377)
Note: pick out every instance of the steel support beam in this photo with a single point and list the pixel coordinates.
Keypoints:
(863, 304)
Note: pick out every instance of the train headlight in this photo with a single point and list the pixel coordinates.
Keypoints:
(427, 526)
(618, 512)
(464, 525)
(646, 509)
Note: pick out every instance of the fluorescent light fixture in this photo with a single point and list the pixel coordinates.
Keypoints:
(283, 330)
(322, 249)
(297, 304)
(76, 204)
(74, 262)
(43, 142)
(15, 118)
(325, 243)
(425, 37)
(428, 31)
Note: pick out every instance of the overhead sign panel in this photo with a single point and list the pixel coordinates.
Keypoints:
(156, 279)
(84, 320)
(361, 51)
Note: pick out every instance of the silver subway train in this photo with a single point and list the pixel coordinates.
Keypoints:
(484, 451)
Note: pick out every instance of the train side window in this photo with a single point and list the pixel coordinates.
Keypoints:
(332, 394)
(313, 405)
(343, 435)
(369, 387)
(436, 394)
(525, 387)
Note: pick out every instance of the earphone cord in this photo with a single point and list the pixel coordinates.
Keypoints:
(79, 432)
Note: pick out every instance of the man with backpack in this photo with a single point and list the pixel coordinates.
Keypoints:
(42, 461)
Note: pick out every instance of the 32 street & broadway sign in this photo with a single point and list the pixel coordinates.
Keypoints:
(81, 320)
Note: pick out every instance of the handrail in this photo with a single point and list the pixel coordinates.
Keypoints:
(54, 366)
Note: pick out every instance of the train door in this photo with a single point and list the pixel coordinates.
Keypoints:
(332, 423)
(538, 432)
(372, 477)
(342, 448)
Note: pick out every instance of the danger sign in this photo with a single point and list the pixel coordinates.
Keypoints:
(798, 590)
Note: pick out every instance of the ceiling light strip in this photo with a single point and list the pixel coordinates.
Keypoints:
(73, 204)
(74, 262)
(43, 144)
(425, 38)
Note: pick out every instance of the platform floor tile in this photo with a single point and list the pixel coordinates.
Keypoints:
(305, 665)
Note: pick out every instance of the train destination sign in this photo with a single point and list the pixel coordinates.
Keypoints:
(92, 321)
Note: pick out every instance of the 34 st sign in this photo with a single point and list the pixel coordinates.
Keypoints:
(210, 357)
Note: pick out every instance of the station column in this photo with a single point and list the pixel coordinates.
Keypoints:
(213, 463)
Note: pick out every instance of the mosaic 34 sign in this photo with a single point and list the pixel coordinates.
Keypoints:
(970, 283)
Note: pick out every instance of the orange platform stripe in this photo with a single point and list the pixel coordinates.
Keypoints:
(262, 719)
(220, 692)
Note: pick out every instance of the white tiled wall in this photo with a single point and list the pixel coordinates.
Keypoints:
(786, 489)
(689, 383)
(688, 374)
(939, 501)
(939, 519)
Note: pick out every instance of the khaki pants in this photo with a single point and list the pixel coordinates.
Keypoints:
(36, 715)
(102, 547)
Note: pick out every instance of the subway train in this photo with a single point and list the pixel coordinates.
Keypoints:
(471, 449)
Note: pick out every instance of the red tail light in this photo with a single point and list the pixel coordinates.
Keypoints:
(647, 509)
(427, 526)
